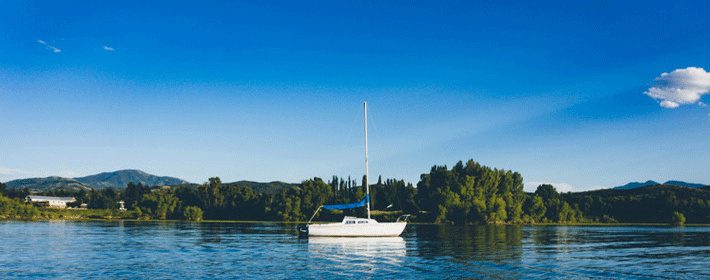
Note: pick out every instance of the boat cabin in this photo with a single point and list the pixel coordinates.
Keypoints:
(355, 220)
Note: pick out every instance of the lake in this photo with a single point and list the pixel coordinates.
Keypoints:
(170, 250)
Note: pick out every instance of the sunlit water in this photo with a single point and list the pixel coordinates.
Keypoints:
(170, 250)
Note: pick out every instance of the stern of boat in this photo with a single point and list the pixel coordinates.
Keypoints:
(302, 230)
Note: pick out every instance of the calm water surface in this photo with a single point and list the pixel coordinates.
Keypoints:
(169, 250)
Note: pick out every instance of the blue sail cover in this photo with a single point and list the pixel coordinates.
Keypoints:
(349, 205)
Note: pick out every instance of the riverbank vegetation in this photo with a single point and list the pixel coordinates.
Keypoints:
(13, 209)
(467, 193)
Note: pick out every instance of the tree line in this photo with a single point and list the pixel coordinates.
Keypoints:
(468, 193)
(14, 208)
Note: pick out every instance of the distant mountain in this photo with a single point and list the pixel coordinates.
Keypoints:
(634, 185)
(48, 184)
(121, 179)
(117, 179)
(684, 184)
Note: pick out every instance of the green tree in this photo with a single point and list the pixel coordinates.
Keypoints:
(287, 205)
(159, 205)
(566, 213)
(551, 199)
(430, 187)
(315, 193)
(451, 206)
(132, 193)
(677, 219)
(106, 198)
(471, 193)
(9, 208)
(240, 203)
(515, 196)
(406, 196)
(192, 213)
(535, 207)
(211, 197)
(17, 193)
(187, 195)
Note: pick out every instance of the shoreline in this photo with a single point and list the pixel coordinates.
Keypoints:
(303, 222)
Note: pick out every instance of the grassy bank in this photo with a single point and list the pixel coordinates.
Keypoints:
(77, 214)
(105, 214)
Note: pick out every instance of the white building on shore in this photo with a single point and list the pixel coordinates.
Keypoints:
(50, 201)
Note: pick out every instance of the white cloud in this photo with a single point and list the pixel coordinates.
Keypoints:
(680, 87)
(560, 187)
(41, 42)
(701, 104)
(669, 104)
(109, 48)
(54, 49)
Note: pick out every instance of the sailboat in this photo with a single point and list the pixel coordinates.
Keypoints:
(353, 226)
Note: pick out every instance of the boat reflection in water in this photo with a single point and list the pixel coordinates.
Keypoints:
(357, 255)
(393, 245)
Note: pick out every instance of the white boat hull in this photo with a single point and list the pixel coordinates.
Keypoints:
(356, 228)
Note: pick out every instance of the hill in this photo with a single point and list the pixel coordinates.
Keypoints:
(646, 191)
(48, 184)
(684, 184)
(121, 179)
(117, 179)
(634, 185)
(649, 204)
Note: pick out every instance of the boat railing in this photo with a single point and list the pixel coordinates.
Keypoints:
(403, 218)
(314, 214)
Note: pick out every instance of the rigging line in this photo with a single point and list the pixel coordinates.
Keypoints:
(349, 141)
(375, 134)
(356, 116)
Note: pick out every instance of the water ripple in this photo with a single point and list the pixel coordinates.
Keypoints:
(169, 250)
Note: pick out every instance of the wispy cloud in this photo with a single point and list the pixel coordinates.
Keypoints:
(9, 174)
(10, 171)
(54, 49)
(680, 87)
(109, 48)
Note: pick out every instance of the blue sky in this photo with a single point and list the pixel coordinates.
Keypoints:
(580, 95)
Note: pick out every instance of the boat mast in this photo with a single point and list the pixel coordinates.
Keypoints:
(367, 170)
